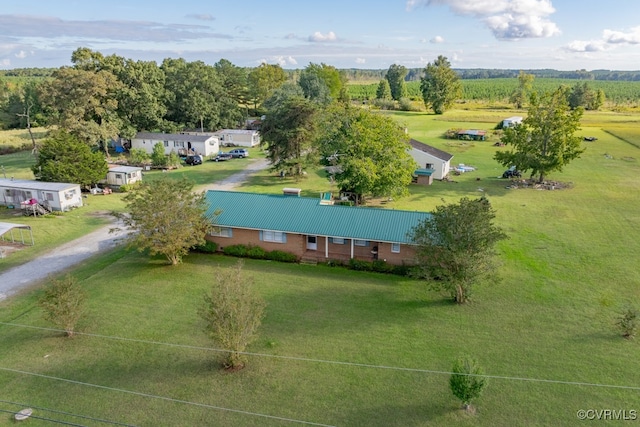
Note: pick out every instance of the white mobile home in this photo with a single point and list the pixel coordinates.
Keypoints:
(511, 121)
(181, 143)
(431, 158)
(238, 137)
(58, 196)
(123, 175)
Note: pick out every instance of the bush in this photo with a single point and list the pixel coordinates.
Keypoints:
(236, 250)
(357, 265)
(256, 252)
(281, 256)
(628, 322)
(63, 303)
(128, 187)
(207, 248)
(381, 266)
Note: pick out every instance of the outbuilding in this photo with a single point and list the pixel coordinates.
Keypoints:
(123, 175)
(57, 196)
(430, 159)
(511, 121)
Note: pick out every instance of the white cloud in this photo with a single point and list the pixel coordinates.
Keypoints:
(586, 46)
(5, 62)
(360, 60)
(319, 37)
(507, 19)
(280, 60)
(619, 37)
(437, 39)
(22, 54)
(201, 16)
(610, 40)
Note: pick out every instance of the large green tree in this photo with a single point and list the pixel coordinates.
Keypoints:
(322, 83)
(545, 141)
(233, 312)
(166, 218)
(384, 90)
(263, 80)
(455, 246)
(369, 152)
(83, 103)
(395, 76)
(440, 85)
(64, 158)
(289, 131)
(581, 95)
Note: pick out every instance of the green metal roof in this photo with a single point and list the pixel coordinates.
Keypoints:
(425, 172)
(304, 215)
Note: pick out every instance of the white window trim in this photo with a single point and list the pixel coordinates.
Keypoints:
(337, 240)
(273, 236)
(360, 242)
(222, 232)
(395, 248)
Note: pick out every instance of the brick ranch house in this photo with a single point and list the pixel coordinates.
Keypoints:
(312, 229)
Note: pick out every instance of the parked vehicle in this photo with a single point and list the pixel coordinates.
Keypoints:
(512, 172)
(239, 153)
(221, 157)
(193, 160)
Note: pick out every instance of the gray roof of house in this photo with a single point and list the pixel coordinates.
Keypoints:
(303, 215)
(442, 155)
(36, 185)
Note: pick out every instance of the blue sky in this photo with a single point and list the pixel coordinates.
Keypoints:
(515, 34)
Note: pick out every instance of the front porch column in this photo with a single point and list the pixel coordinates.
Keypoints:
(326, 246)
(351, 248)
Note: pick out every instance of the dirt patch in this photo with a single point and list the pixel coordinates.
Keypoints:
(6, 248)
(534, 185)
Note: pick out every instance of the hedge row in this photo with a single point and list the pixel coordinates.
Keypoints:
(256, 252)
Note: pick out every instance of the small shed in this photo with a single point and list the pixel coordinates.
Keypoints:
(511, 121)
(123, 175)
(423, 176)
(57, 196)
(474, 134)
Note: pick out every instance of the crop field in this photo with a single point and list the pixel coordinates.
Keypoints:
(346, 348)
(499, 90)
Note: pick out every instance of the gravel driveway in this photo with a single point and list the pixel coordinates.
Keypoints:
(76, 251)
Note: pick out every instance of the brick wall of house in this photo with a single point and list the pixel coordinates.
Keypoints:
(297, 244)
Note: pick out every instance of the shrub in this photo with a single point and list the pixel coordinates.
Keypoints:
(628, 322)
(281, 256)
(466, 382)
(63, 303)
(256, 252)
(207, 248)
(358, 265)
(236, 250)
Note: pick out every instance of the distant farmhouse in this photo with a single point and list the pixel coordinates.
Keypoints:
(434, 163)
(238, 137)
(181, 143)
(312, 229)
(123, 175)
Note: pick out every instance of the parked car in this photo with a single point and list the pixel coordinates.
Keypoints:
(193, 160)
(239, 153)
(221, 157)
(512, 172)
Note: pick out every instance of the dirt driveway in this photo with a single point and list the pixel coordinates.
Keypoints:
(79, 250)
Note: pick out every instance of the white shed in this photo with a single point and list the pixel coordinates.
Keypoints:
(431, 158)
(58, 196)
(181, 143)
(511, 121)
(238, 137)
(123, 175)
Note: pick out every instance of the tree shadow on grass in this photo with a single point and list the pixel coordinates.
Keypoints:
(391, 415)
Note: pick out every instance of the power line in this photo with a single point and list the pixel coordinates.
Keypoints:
(26, 405)
(46, 419)
(169, 399)
(337, 362)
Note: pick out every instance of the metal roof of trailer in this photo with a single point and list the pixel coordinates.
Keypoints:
(36, 185)
(303, 215)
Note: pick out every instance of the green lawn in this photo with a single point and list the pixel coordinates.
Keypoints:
(569, 267)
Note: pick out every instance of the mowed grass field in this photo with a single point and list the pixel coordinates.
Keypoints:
(545, 330)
